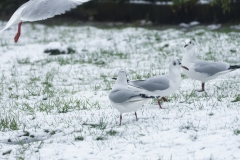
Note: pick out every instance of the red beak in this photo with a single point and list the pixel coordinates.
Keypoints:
(185, 68)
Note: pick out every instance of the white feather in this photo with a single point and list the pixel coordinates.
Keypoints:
(36, 10)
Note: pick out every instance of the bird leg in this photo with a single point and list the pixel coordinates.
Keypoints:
(136, 116)
(164, 99)
(18, 33)
(159, 103)
(120, 119)
(203, 88)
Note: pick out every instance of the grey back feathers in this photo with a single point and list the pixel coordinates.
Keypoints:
(158, 83)
(210, 68)
(121, 93)
(125, 95)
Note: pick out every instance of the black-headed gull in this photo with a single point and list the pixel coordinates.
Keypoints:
(162, 85)
(203, 70)
(124, 99)
(36, 10)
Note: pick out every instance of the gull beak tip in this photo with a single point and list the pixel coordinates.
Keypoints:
(185, 68)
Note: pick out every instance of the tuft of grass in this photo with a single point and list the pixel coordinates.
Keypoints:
(100, 138)
(236, 131)
(8, 123)
(233, 51)
(52, 132)
(32, 136)
(24, 61)
(58, 52)
(188, 126)
(237, 99)
(26, 133)
(101, 125)
(112, 132)
(46, 130)
(199, 33)
(194, 137)
(79, 138)
(211, 114)
(7, 152)
(162, 48)
(184, 76)
(64, 109)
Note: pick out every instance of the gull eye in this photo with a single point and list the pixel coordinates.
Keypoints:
(190, 42)
(179, 63)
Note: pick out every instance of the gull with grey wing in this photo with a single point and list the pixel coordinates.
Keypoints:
(124, 99)
(203, 70)
(162, 85)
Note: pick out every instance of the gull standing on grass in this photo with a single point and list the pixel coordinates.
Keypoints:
(203, 70)
(162, 85)
(124, 99)
(36, 10)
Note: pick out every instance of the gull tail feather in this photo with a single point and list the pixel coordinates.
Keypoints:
(234, 67)
(145, 96)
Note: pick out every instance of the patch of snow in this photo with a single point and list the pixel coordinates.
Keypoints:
(144, 22)
(204, 1)
(191, 24)
(235, 27)
(148, 2)
(194, 23)
(214, 26)
(184, 25)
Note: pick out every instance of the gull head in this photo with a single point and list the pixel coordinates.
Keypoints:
(188, 44)
(121, 81)
(122, 77)
(122, 73)
(176, 63)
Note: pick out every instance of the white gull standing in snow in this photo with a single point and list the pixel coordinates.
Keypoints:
(36, 10)
(203, 70)
(124, 99)
(162, 85)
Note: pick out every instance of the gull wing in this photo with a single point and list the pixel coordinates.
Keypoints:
(35, 10)
(157, 83)
(210, 68)
(124, 95)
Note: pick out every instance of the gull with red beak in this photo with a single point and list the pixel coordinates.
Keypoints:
(203, 70)
(36, 10)
(162, 85)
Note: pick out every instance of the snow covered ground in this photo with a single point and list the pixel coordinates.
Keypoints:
(56, 106)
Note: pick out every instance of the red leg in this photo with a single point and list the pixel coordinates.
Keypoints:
(136, 116)
(120, 119)
(164, 99)
(159, 104)
(18, 33)
(203, 88)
